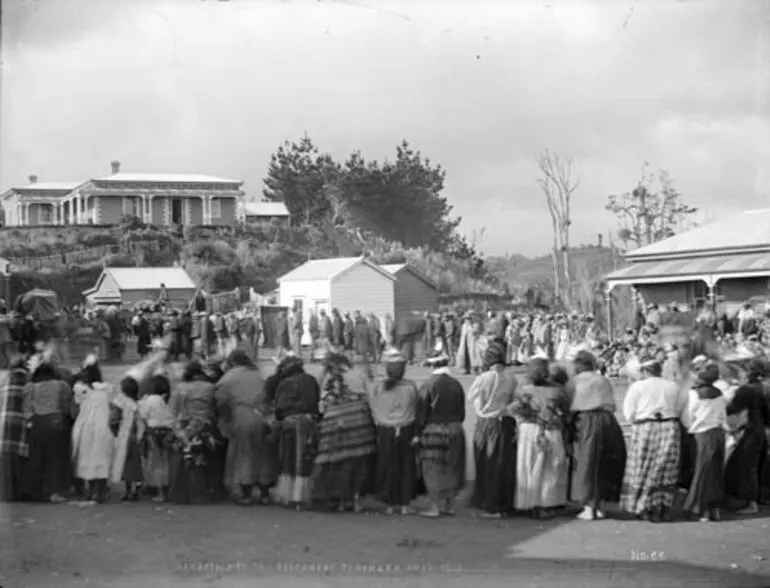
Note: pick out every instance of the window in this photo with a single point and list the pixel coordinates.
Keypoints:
(216, 208)
(46, 214)
(131, 206)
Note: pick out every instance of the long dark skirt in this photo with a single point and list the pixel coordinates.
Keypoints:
(297, 449)
(600, 455)
(10, 476)
(132, 468)
(708, 483)
(47, 470)
(494, 452)
(442, 457)
(687, 459)
(741, 469)
(343, 480)
(396, 479)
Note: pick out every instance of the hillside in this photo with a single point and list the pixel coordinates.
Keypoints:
(69, 259)
(521, 273)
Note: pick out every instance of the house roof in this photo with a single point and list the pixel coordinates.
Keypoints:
(695, 268)
(749, 229)
(266, 208)
(150, 278)
(328, 269)
(53, 186)
(41, 187)
(170, 178)
(395, 268)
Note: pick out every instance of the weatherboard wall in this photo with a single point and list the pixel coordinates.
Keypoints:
(366, 289)
(413, 294)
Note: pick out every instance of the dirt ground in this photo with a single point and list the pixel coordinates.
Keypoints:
(126, 545)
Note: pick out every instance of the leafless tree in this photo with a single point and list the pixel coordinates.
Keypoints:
(558, 187)
(647, 215)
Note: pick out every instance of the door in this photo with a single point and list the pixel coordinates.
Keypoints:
(321, 305)
(176, 212)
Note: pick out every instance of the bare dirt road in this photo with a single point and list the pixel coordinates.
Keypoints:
(126, 545)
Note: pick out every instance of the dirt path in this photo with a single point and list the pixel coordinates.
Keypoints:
(141, 544)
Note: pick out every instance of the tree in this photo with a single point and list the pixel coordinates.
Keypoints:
(647, 215)
(400, 200)
(558, 187)
(296, 176)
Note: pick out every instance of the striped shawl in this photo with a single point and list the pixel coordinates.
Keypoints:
(346, 431)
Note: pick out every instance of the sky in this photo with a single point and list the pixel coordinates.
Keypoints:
(481, 87)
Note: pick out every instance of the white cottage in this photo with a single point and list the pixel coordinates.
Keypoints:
(348, 284)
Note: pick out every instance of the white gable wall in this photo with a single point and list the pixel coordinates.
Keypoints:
(312, 293)
(363, 288)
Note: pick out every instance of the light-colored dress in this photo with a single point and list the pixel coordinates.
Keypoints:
(157, 416)
(93, 444)
(541, 462)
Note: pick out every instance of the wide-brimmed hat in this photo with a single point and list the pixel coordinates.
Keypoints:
(393, 355)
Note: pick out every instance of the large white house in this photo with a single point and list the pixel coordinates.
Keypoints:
(156, 198)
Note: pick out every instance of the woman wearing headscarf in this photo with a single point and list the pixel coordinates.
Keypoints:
(158, 440)
(394, 403)
(13, 430)
(48, 405)
(194, 460)
(93, 443)
(442, 449)
(494, 440)
(744, 444)
(128, 431)
(653, 406)
(296, 400)
(468, 357)
(541, 409)
(750, 397)
(600, 448)
(705, 418)
(241, 406)
(346, 437)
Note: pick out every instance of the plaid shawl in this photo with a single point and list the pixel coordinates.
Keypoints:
(13, 424)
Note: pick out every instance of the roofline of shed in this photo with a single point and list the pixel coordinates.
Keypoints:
(419, 275)
(367, 263)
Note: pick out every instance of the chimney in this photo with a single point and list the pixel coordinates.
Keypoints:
(33, 179)
(115, 167)
(601, 237)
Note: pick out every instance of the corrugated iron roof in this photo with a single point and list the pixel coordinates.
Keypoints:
(328, 269)
(170, 178)
(393, 268)
(53, 186)
(750, 228)
(693, 267)
(265, 208)
(150, 278)
(320, 269)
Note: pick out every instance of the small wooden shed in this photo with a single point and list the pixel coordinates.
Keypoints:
(413, 293)
(347, 283)
(128, 285)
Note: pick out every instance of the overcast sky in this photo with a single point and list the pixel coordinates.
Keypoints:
(481, 87)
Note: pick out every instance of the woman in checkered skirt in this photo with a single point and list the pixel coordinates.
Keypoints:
(654, 407)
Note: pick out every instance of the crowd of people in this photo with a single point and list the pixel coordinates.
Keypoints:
(219, 429)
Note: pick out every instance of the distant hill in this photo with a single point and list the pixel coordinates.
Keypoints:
(520, 273)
